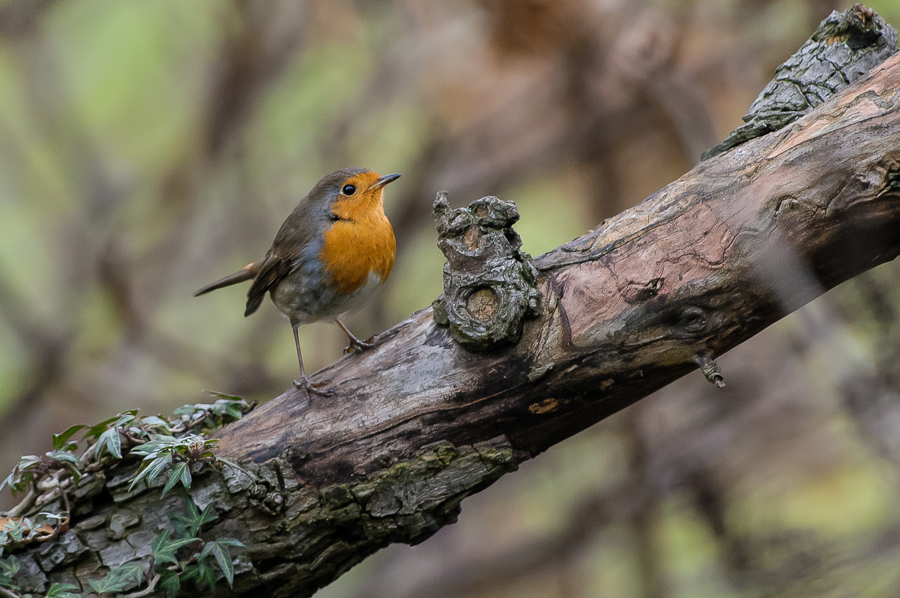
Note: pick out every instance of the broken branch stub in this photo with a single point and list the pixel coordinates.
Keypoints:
(489, 282)
(843, 48)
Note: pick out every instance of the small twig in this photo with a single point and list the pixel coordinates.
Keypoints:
(88, 453)
(9, 593)
(26, 503)
(51, 481)
(180, 565)
(711, 370)
(133, 439)
(146, 591)
(65, 499)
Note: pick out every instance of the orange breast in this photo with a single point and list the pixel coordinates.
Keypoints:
(355, 247)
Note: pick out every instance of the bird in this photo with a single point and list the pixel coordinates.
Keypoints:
(334, 250)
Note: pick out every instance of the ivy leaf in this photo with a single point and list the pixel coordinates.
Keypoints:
(163, 548)
(62, 590)
(9, 568)
(17, 529)
(53, 517)
(185, 525)
(170, 582)
(188, 411)
(125, 418)
(111, 442)
(206, 516)
(157, 422)
(219, 549)
(103, 432)
(64, 456)
(96, 430)
(59, 440)
(151, 467)
(158, 443)
(188, 526)
(118, 579)
(228, 408)
(180, 472)
(200, 573)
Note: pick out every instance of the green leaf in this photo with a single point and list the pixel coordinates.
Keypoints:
(180, 472)
(22, 475)
(188, 526)
(150, 469)
(156, 422)
(9, 568)
(53, 517)
(206, 575)
(157, 548)
(62, 590)
(118, 579)
(101, 430)
(170, 582)
(59, 440)
(17, 529)
(163, 548)
(158, 443)
(27, 462)
(223, 558)
(125, 418)
(206, 516)
(191, 573)
(184, 524)
(111, 442)
(186, 410)
(64, 456)
(219, 549)
(227, 407)
(96, 430)
(200, 573)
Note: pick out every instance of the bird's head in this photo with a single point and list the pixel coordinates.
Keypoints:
(353, 192)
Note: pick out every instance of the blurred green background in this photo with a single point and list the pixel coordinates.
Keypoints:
(148, 147)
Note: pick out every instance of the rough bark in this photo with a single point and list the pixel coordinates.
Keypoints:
(421, 423)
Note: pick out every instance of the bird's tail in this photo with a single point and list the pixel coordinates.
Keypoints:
(248, 272)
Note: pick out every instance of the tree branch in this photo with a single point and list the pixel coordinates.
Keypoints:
(418, 425)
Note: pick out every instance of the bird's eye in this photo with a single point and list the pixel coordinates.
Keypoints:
(348, 189)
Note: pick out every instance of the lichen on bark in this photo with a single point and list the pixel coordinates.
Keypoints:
(318, 533)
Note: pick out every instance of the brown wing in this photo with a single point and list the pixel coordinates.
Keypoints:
(297, 231)
(271, 272)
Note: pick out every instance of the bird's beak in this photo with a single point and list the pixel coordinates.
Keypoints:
(388, 178)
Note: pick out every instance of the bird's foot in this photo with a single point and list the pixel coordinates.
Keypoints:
(357, 345)
(312, 389)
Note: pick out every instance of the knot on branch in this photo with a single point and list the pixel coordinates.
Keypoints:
(489, 283)
(843, 48)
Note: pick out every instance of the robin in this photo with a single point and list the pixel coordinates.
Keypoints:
(331, 254)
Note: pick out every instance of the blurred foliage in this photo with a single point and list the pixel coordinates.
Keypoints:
(147, 148)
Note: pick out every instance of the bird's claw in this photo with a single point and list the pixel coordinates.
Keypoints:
(357, 345)
(310, 388)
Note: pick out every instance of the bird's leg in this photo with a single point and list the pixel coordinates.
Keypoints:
(355, 343)
(304, 383)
